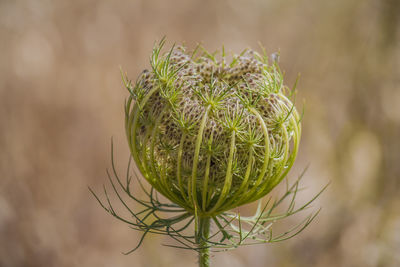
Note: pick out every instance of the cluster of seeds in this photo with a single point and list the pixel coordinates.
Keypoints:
(209, 134)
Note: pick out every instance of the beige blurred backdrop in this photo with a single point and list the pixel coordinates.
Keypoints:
(61, 100)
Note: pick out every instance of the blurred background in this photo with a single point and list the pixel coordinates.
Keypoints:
(61, 99)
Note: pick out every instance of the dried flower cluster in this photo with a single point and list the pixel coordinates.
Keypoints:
(211, 135)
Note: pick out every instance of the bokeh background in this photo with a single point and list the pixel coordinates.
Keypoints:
(61, 99)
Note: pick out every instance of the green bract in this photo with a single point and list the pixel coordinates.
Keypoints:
(211, 135)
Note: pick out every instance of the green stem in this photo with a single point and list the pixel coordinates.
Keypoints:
(204, 232)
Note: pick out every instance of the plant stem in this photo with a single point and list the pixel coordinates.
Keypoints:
(204, 252)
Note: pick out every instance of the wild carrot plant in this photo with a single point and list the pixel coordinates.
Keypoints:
(209, 135)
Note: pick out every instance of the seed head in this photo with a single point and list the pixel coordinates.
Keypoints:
(211, 135)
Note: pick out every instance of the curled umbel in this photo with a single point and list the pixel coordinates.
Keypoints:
(208, 133)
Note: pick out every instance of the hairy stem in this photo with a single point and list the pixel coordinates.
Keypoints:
(203, 234)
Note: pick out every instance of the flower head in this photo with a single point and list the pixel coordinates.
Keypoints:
(211, 135)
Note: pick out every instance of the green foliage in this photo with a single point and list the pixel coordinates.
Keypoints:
(232, 229)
